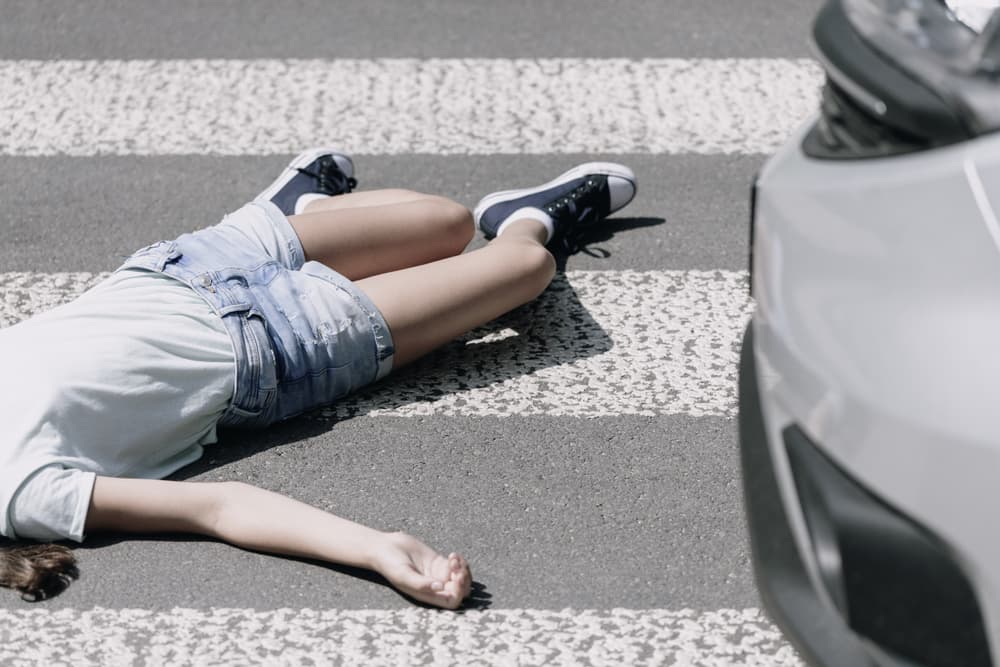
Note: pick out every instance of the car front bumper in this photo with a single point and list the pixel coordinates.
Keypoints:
(817, 632)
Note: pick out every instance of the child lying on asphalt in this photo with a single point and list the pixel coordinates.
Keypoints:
(300, 297)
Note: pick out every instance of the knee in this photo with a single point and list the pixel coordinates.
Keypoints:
(455, 220)
(540, 265)
(534, 265)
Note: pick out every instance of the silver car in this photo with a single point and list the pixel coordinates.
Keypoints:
(870, 372)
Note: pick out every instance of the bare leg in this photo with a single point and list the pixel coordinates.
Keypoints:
(426, 306)
(367, 233)
(365, 198)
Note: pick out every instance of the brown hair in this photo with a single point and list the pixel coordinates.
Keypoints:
(37, 571)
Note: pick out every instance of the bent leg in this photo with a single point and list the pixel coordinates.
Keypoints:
(426, 306)
(363, 198)
(381, 231)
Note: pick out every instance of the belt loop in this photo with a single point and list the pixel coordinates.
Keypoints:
(172, 254)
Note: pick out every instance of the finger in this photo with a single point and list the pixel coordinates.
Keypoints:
(457, 562)
(428, 590)
(465, 565)
(415, 581)
(464, 581)
(463, 573)
(448, 601)
(459, 584)
(450, 596)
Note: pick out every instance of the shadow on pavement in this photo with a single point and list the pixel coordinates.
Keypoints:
(604, 233)
(553, 330)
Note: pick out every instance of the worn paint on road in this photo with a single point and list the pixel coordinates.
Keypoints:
(374, 637)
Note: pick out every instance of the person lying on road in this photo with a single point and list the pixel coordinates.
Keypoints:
(298, 298)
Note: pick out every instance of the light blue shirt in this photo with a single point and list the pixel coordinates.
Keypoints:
(129, 380)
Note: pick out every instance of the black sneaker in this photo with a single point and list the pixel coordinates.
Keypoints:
(318, 171)
(576, 200)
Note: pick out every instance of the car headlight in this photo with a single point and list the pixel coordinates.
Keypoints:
(896, 26)
(973, 13)
(905, 76)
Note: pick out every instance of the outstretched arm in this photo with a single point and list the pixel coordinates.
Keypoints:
(253, 518)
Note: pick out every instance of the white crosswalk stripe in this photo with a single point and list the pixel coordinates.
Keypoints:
(597, 343)
(394, 106)
(371, 638)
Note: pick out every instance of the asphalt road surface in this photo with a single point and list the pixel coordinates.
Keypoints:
(581, 452)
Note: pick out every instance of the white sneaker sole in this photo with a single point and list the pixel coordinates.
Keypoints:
(607, 168)
(301, 160)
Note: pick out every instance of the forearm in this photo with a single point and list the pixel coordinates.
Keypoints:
(236, 513)
(265, 521)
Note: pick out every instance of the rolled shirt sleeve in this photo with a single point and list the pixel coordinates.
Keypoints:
(52, 504)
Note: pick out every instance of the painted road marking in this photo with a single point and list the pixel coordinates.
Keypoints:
(597, 343)
(392, 637)
(403, 105)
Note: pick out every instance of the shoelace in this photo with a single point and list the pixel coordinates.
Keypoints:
(567, 208)
(329, 178)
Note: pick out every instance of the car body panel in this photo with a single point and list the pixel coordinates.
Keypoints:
(877, 329)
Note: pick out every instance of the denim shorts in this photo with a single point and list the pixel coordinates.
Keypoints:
(303, 335)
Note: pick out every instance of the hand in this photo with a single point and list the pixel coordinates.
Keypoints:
(422, 573)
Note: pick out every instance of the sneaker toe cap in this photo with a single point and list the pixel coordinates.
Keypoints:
(620, 191)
